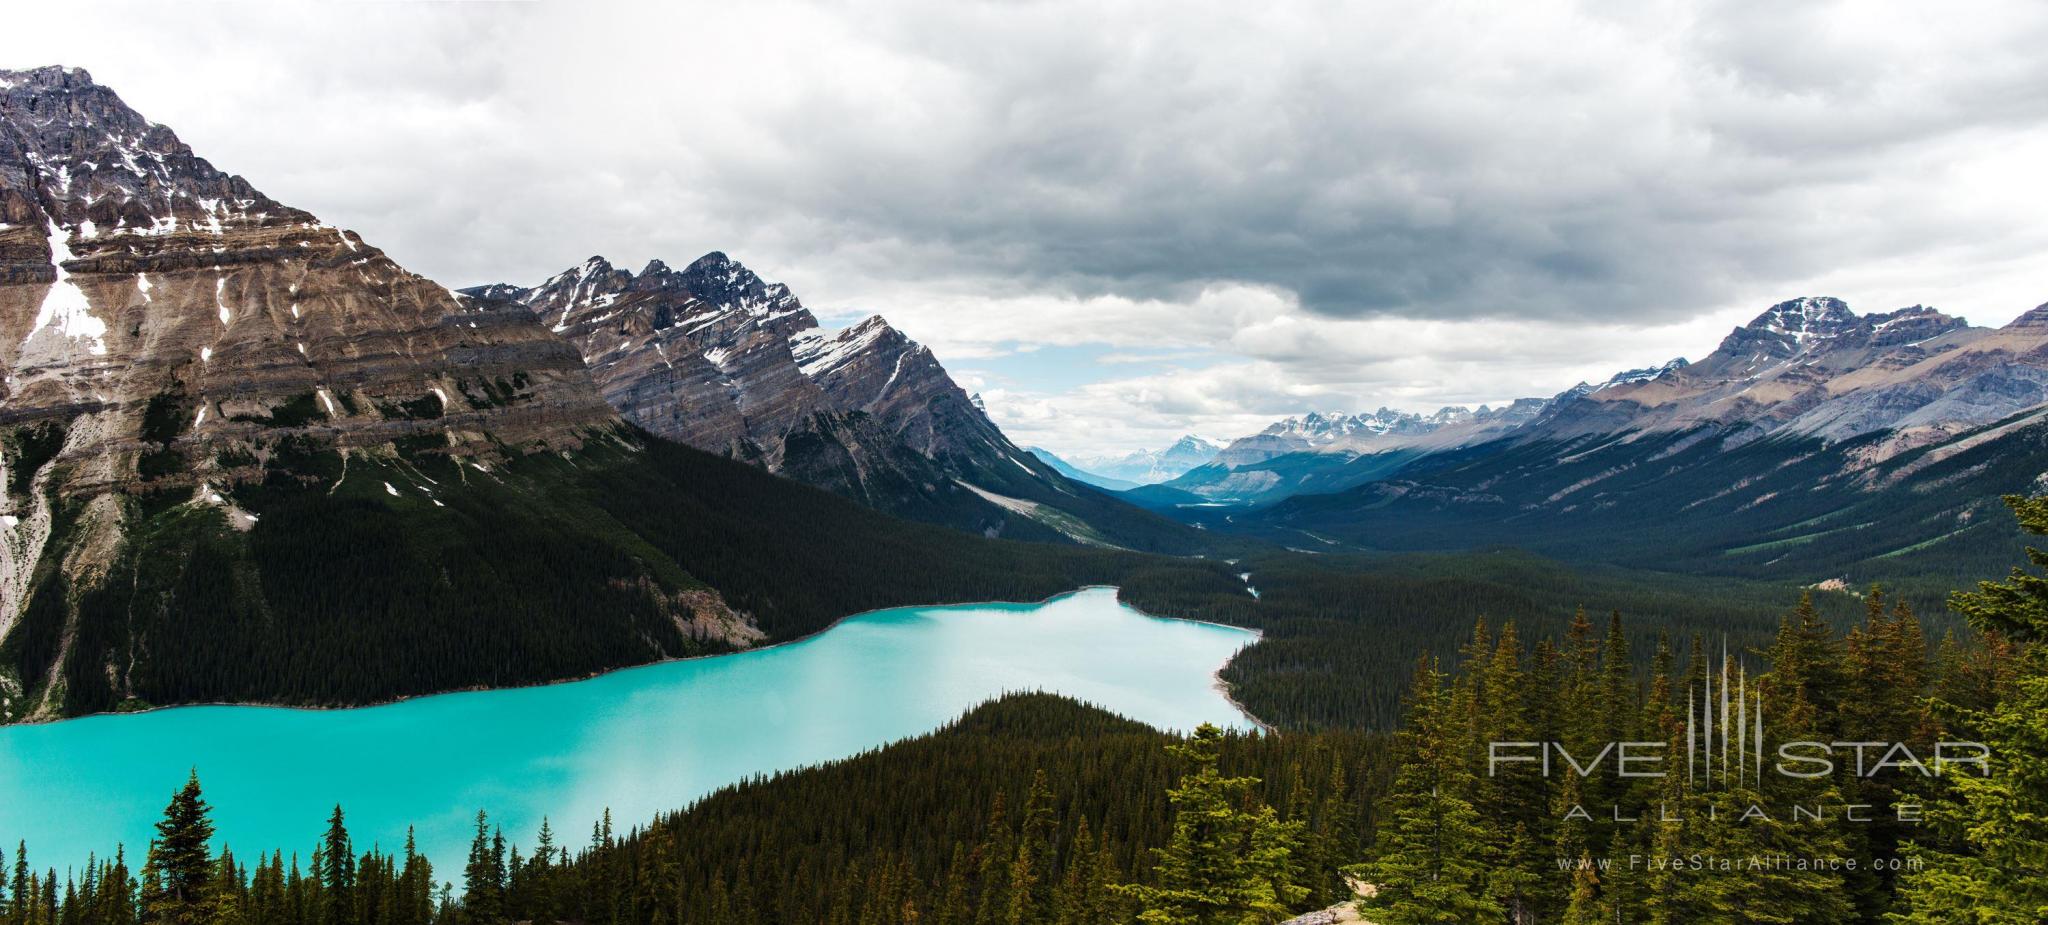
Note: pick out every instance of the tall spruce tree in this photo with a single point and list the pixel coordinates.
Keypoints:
(1230, 859)
(1429, 863)
(1983, 863)
(179, 867)
(338, 874)
(482, 887)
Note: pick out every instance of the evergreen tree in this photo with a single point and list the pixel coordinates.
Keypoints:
(338, 876)
(180, 865)
(998, 851)
(1230, 858)
(1617, 684)
(482, 887)
(1429, 863)
(1994, 828)
(1032, 870)
(1806, 671)
(18, 908)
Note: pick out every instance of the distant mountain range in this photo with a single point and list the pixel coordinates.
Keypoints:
(1812, 440)
(1808, 367)
(1131, 470)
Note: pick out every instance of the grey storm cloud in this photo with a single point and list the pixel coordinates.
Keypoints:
(1551, 160)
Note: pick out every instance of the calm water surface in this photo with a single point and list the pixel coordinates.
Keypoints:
(638, 741)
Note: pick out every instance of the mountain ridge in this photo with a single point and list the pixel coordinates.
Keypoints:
(1806, 366)
(718, 358)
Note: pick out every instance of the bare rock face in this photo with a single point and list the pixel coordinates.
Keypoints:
(165, 325)
(874, 368)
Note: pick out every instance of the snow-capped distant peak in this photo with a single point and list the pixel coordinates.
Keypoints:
(1633, 376)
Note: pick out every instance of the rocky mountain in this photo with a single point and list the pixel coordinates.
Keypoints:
(715, 357)
(246, 456)
(1812, 366)
(164, 326)
(1704, 500)
(1807, 367)
(1377, 430)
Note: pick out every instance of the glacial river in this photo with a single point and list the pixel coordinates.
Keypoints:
(638, 741)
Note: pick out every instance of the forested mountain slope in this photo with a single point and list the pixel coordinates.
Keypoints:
(1703, 500)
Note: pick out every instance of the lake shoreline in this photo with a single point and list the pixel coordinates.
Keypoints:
(1215, 677)
(1222, 686)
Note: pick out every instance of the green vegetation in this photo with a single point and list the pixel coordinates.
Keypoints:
(1034, 809)
(297, 411)
(556, 566)
(27, 449)
(1031, 809)
(1984, 863)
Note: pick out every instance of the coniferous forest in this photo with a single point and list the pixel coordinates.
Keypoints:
(1034, 809)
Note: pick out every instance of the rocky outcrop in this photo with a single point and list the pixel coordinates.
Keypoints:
(873, 368)
(716, 357)
(714, 372)
(709, 356)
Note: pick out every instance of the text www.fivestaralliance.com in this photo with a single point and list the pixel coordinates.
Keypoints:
(1707, 863)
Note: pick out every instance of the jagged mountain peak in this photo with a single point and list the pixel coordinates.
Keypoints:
(714, 356)
(1804, 325)
(1912, 325)
(723, 281)
(49, 75)
(1806, 313)
(1319, 428)
(96, 166)
(819, 354)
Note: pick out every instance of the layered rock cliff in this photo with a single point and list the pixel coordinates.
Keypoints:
(714, 356)
(164, 325)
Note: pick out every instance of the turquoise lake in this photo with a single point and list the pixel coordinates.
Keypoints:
(638, 741)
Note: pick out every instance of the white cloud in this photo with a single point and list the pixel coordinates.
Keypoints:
(1346, 202)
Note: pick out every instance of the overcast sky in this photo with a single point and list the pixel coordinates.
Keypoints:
(1121, 222)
